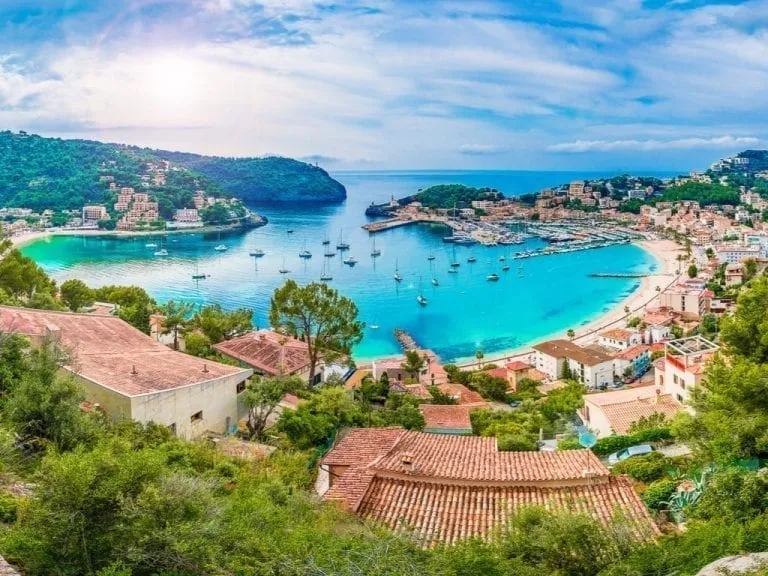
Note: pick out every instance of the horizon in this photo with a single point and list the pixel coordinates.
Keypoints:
(479, 85)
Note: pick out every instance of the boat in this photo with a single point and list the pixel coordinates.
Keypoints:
(492, 277)
(326, 240)
(431, 257)
(304, 252)
(374, 326)
(471, 259)
(161, 252)
(420, 298)
(435, 282)
(505, 267)
(283, 269)
(290, 231)
(453, 271)
(397, 276)
(502, 258)
(350, 260)
(455, 263)
(325, 274)
(198, 275)
(150, 245)
(221, 248)
(329, 253)
(256, 253)
(342, 245)
(375, 251)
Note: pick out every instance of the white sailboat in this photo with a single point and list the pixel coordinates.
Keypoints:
(375, 251)
(342, 245)
(325, 274)
(397, 276)
(304, 252)
(283, 269)
(420, 298)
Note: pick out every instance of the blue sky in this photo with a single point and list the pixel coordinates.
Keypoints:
(543, 84)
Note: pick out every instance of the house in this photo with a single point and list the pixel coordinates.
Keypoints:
(685, 300)
(632, 362)
(129, 375)
(591, 367)
(655, 333)
(734, 274)
(607, 413)
(447, 419)
(432, 373)
(619, 338)
(516, 371)
(445, 488)
(683, 364)
(270, 353)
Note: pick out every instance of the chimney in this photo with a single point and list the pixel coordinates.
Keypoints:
(406, 459)
(205, 368)
(133, 370)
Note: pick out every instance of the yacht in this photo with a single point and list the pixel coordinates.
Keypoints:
(325, 275)
(150, 245)
(290, 231)
(342, 245)
(221, 248)
(501, 258)
(471, 259)
(283, 269)
(421, 300)
(492, 277)
(505, 267)
(350, 260)
(431, 257)
(161, 252)
(198, 275)
(435, 282)
(453, 270)
(375, 251)
(397, 276)
(256, 253)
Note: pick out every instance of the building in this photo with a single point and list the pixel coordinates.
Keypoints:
(271, 354)
(619, 338)
(691, 302)
(129, 375)
(683, 365)
(445, 488)
(576, 190)
(447, 419)
(632, 362)
(591, 367)
(431, 373)
(735, 253)
(517, 371)
(734, 274)
(94, 213)
(608, 413)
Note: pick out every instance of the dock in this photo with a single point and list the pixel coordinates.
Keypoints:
(406, 341)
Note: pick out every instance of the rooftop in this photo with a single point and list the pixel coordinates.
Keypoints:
(691, 345)
(567, 349)
(267, 351)
(617, 334)
(632, 352)
(447, 487)
(446, 417)
(518, 365)
(623, 407)
(110, 352)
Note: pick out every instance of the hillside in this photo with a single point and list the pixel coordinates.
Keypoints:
(42, 173)
(458, 195)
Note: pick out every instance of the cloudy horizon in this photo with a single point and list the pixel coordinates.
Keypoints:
(549, 84)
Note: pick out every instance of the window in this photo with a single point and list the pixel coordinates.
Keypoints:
(674, 378)
(240, 387)
(680, 398)
(196, 417)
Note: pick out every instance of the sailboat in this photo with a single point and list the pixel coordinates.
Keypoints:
(505, 267)
(326, 240)
(492, 277)
(325, 274)
(220, 247)
(420, 298)
(342, 245)
(431, 257)
(435, 282)
(283, 269)
(256, 253)
(455, 263)
(329, 253)
(304, 252)
(198, 275)
(375, 251)
(397, 276)
(162, 251)
(471, 259)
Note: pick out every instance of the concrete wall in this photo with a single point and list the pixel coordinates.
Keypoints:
(116, 405)
(217, 399)
(550, 365)
(595, 419)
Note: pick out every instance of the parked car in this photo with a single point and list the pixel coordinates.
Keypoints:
(622, 455)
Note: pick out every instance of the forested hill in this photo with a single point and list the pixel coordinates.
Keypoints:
(269, 179)
(41, 173)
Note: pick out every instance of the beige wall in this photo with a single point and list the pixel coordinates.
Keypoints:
(595, 419)
(217, 399)
(113, 403)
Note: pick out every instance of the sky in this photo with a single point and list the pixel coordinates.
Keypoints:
(385, 84)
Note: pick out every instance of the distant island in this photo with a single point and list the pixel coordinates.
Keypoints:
(54, 174)
(440, 196)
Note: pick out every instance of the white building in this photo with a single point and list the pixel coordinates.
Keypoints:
(591, 367)
(683, 365)
(619, 338)
(735, 253)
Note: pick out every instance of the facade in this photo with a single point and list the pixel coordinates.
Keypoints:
(608, 413)
(94, 214)
(735, 253)
(129, 375)
(619, 338)
(632, 362)
(692, 302)
(591, 367)
(683, 365)
(407, 481)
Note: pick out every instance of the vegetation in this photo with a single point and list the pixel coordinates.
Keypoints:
(318, 315)
(702, 193)
(450, 195)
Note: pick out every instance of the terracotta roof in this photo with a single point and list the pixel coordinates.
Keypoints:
(112, 353)
(567, 349)
(548, 387)
(267, 351)
(497, 373)
(622, 414)
(462, 394)
(446, 417)
(632, 352)
(447, 513)
(446, 487)
(518, 365)
(617, 334)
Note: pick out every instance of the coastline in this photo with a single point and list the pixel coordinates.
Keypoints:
(664, 251)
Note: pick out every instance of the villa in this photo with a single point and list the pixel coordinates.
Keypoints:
(128, 375)
(619, 338)
(614, 412)
(683, 365)
(445, 488)
(589, 366)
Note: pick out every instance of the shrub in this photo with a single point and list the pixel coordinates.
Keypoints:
(611, 444)
(658, 492)
(645, 468)
(570, 443)
(8, 507)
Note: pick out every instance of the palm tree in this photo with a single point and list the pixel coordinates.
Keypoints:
(571, 334)
(479, 355)
(176, 319)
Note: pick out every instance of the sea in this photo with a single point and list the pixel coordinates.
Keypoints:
(536, 298)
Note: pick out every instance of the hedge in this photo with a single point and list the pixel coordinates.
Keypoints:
(611, 444)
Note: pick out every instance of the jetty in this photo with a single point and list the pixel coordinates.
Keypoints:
(616, 275)
(406, 341)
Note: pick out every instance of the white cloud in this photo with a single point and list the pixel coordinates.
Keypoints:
(482, 149)
(580, 146)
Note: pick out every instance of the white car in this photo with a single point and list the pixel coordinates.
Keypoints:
(627, 453)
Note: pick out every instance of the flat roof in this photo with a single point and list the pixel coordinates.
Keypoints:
(691, 345)
(107, 351)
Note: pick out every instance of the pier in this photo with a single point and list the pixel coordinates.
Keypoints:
(616, 275)
(406, 341)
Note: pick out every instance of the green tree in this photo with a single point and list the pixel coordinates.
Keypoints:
(490, 387)
(745, 332)
(318, 315)
(135, 305)
(261, 398)
(219, 325)
(750, 269)
(571, 334)
(414, 363)
(693, 271)
(197, 344)
(175, 319)
(75, 294)
(710, 253)
(479, 355)
(13, 361)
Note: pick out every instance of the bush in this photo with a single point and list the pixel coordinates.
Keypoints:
(8, 507)
(645, 468)
(611, 444)
(658, 493)
(570, 443)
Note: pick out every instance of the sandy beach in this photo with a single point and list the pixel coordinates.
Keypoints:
(665, 251)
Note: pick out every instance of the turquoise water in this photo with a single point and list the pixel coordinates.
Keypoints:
(465, 312)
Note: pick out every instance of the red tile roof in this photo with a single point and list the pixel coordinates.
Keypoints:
(632, 352)
(497, 373)
(267, 351)
(518, 365)
(622, 415)
(112, 353)
(445, 487)
(617, 334)
(462, 394)
(446, 417)
(567, 349)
